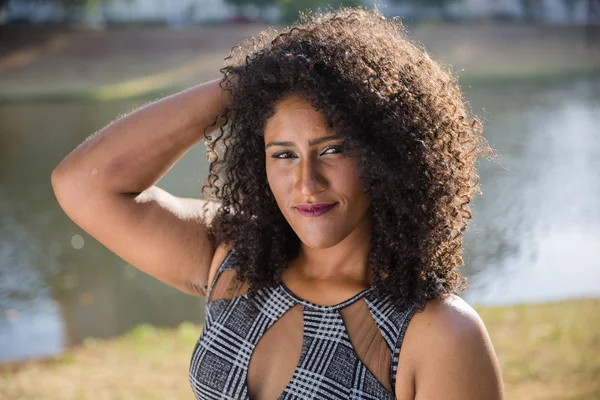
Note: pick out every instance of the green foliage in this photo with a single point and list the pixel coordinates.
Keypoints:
(90, 343)
(440, 4)
(290, 9)
(427, 3)
(87, 6)
(188, 332)
(239, 3)
(143, 332)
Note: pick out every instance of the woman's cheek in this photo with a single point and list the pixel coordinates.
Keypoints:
(276, 183)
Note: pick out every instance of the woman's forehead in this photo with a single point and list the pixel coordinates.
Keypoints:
(296, 119)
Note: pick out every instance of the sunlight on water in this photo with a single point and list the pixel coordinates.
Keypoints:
(543, 211)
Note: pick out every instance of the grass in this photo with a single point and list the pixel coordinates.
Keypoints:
(549, 352)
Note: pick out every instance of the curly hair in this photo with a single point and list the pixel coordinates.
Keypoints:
(403, 119)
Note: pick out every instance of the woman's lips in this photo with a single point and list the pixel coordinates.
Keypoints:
(314, 210)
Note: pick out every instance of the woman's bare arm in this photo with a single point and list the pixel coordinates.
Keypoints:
(106, 186)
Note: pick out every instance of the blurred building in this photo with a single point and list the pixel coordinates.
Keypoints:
(172, 12)
(182, 12)
(562, 12)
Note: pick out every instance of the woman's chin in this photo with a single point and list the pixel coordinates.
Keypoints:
(319, 240)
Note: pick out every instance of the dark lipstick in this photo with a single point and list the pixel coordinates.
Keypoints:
(314, 210)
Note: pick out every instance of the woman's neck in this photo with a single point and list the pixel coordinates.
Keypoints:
(347, 260)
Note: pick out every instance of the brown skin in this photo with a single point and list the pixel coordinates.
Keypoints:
(106, 186)
(447, 354)
(447, 351)
(335, 246)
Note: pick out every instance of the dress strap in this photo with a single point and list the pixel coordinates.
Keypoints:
(404, 319)
(225, 265)
(393, 320)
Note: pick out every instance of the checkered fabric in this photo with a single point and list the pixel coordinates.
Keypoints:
(328, 367)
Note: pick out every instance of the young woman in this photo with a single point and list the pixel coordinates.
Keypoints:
(330, 235)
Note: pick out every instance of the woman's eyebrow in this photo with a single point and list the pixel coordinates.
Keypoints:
(310, 142)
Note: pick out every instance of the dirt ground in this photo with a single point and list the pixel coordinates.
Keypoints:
(124, 62)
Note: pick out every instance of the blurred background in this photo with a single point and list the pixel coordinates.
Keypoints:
(529, 68)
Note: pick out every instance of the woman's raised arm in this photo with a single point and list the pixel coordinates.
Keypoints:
(106, 186)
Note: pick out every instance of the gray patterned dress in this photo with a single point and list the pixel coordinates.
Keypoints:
(347, 351)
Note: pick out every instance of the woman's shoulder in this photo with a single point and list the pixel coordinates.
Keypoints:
(449, 324)
(448, 346)
(451, 313)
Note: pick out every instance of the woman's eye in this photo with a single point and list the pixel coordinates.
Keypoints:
(337, 149)
(282, 153)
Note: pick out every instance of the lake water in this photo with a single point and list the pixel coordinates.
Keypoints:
(535, 235)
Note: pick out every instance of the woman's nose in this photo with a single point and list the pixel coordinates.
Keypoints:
(309, 180)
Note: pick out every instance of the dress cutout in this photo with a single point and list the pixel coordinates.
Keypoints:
(276, 356)
(280, 346)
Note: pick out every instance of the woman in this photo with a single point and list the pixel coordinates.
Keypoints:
(331, 234)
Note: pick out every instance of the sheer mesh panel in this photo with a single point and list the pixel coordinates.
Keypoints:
(226, 288)
(276, 356)
(369, 345)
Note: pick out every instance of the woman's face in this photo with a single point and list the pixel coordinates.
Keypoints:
(306, 164)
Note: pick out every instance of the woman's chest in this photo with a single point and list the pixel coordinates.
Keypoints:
(277, 347)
